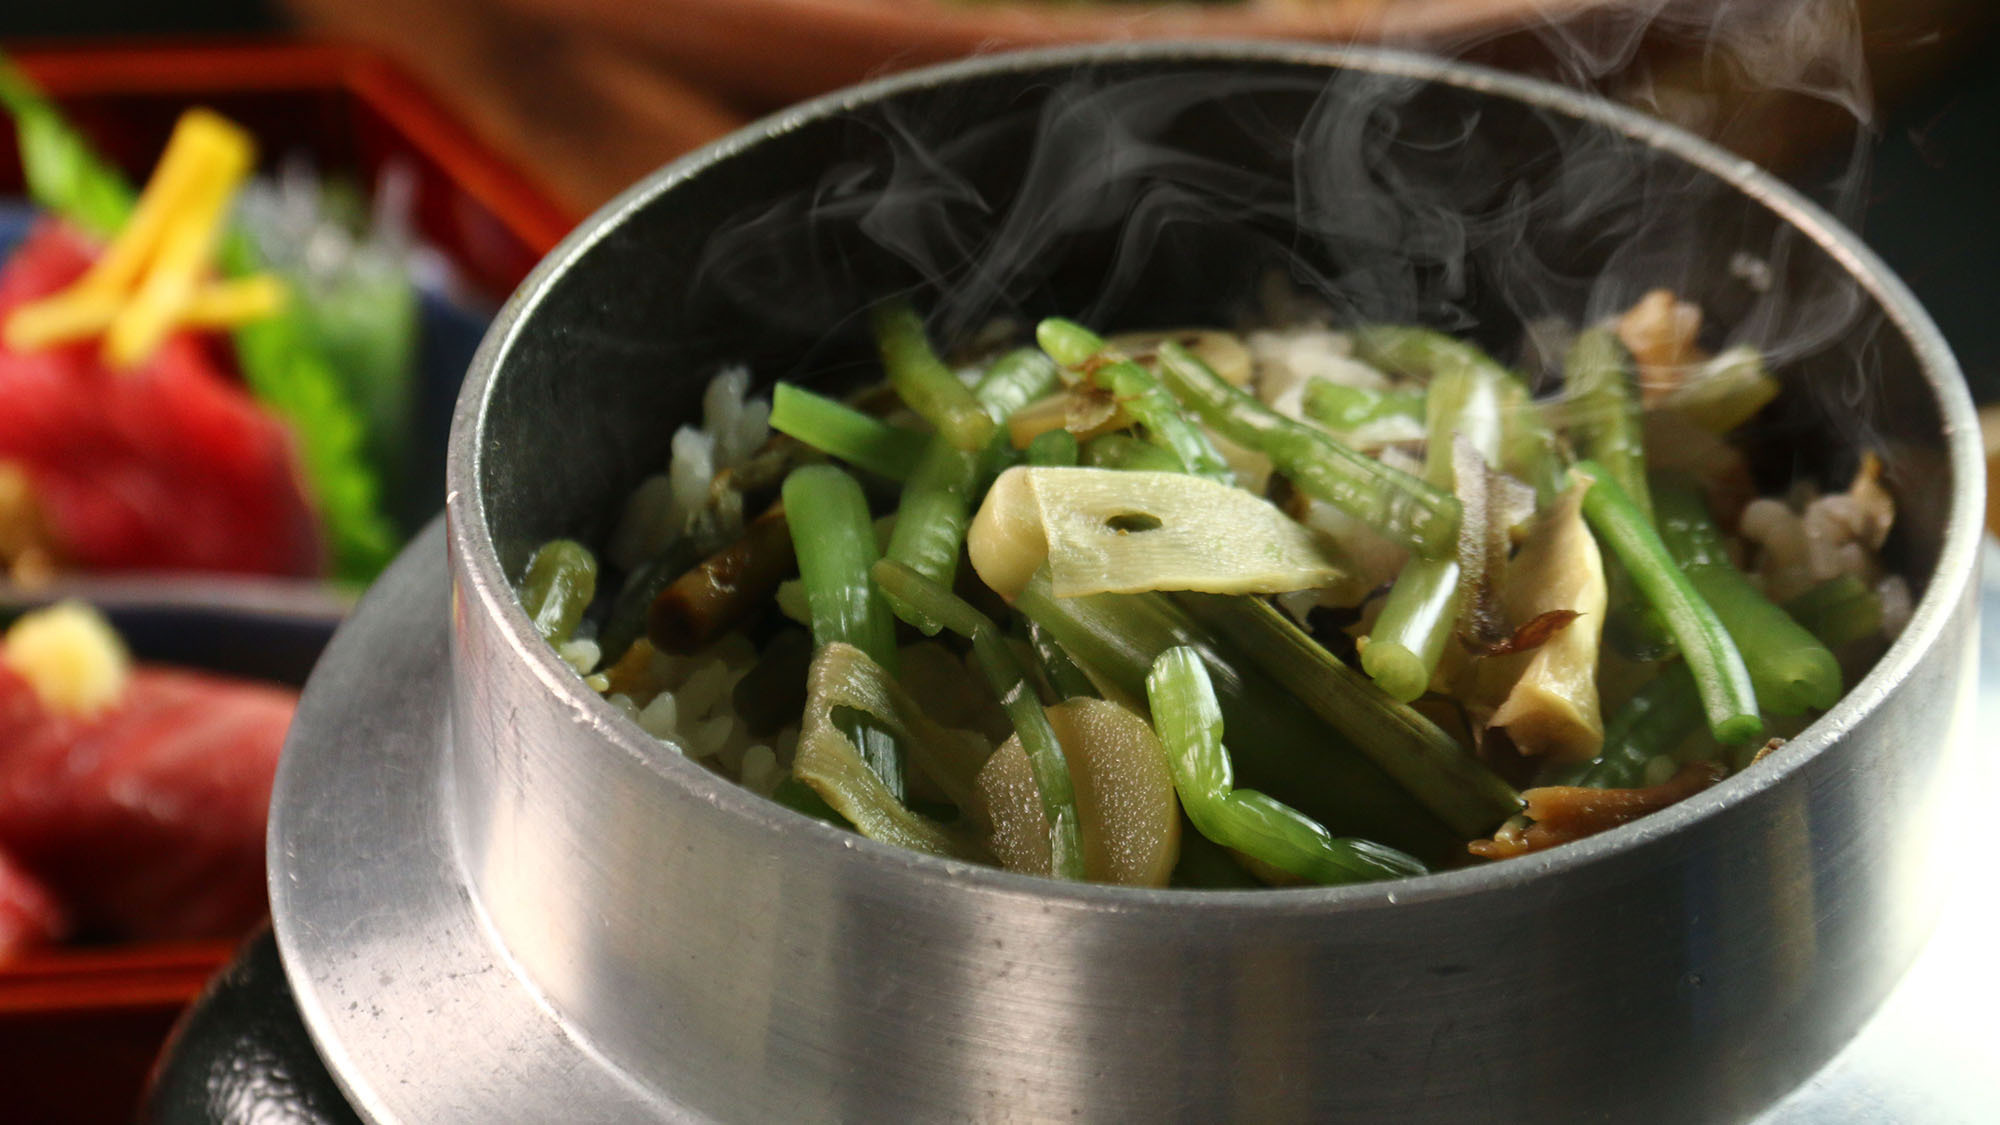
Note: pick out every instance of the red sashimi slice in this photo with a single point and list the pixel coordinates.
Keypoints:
(146, 821)
(29, 913)
(171, 466)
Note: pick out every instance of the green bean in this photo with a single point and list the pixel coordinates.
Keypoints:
(1148, 403)
(1281, 745)
(924, 383)
(841, 431)
(1016, 379)
(560, 581)
(1338, 406)
(1189, 721)
(835, 543)
(1597, 377)
(1728, 697)
(1791, 669)
(1123, 451)
(1839, 611)
(1409, 637)
(917, 598)
(1400, 506)
(1054, 448)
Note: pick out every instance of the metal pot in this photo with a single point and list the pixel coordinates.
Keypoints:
(499, 900)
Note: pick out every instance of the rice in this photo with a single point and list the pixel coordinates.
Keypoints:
(695, 498)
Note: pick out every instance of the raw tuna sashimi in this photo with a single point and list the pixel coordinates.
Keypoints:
(145, 820)
(29, 913)
(170, 466)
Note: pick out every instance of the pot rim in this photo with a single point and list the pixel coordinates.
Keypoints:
(475, 556)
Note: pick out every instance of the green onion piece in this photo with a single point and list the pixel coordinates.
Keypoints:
(917, 598)
(1403, 508)
(560, 581)
(1148, 404)
(1189, 722)
(1791, 669)
(839, 430)
(924, 383)
(1727, 694)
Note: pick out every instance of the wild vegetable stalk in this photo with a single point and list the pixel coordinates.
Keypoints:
(924, 383)
(1409, 637)
(1281, 745)
(1597, 378)
(1403, 508)
(1077, 347)
(1605, 424)
(835, 543)
(1791, 669)
(1189, 722)
(1064, 677)
(937, 497)
(1667, 709)
(839, 430)
(1728, 697)
(916, 599)
(1425, 761)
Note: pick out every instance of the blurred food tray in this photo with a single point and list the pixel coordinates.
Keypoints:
(79, 1026)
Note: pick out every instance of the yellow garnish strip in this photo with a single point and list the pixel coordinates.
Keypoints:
(216, 305)
(71, 656)
(149, 280)
(184, 250)
(196, 135)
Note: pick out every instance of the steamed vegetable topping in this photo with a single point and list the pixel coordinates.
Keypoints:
(1186, 608)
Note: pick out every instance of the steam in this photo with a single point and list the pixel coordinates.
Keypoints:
(1131, 198)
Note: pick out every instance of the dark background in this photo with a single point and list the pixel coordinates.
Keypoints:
(1933, 207)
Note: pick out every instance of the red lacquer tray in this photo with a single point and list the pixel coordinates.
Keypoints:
(80, 1026)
